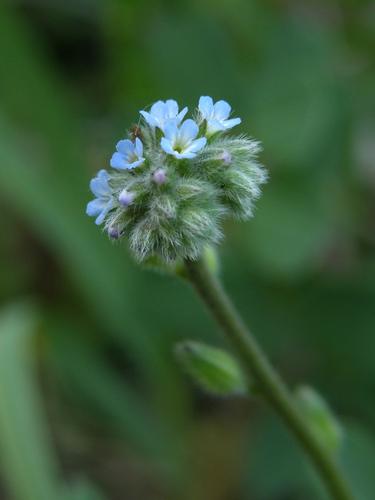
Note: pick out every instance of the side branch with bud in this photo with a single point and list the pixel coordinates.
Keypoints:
(257, 366)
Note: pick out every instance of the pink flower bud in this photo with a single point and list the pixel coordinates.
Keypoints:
(126, 198)
(226, 157)
(114, 233)
(159, 176)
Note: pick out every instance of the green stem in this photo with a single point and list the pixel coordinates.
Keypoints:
(270, 383)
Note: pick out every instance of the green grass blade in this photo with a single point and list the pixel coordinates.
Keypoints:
(27, 459)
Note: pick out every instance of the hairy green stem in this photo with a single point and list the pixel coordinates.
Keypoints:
(270, 383)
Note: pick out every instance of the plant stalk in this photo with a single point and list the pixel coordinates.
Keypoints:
(272, 386)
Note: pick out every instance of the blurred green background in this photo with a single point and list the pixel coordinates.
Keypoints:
(92, 403)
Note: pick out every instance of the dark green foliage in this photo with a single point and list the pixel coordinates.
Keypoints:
(301, 76)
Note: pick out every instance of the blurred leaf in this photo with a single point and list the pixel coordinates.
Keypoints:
(207, 39)
(27, 459)
(295, 112)
(104, 396)
(358, 459)
(48, 192)
(42, 106)
(301, 76)
(89, 378)
(277, 466)
(292, 228)
(51, 191)
(82, 489)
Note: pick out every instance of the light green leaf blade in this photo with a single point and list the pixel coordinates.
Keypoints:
(27, 459)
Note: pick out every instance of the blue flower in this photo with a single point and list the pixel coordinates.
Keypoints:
(216, 115)
(104, 200)
(181, 142)
(162, 112)
(129, 154)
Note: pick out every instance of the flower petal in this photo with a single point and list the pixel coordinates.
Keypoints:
(100, 219)
(149, 118)
(188, 132)
(221, 110)
(138, 147)
(186, 154)
(109, 205)
(171, 108)
(231, 123)
(95, 207)
(134, 164)
(206, 106)
(99, 184)
(125, 147)
(103, 175)
(118, 161)
(214, 126)
(158, 111)
(171, 130)
(166, 146)
(181, 115)
(196, 145)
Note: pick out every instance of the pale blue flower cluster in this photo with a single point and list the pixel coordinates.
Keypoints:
(177, 138)
(180, 138)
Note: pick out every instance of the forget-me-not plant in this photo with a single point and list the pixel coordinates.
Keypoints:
(216, 115)
(174, 180)
(128, 155)
(181, 141)
(103, 202)
(172, 184)
(162, 112)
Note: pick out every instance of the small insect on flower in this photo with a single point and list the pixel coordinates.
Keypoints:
(173, 206)
(216, 115)
(162, 112)
(129, 154)
(135, 131)
(104, 202)
(181, 142)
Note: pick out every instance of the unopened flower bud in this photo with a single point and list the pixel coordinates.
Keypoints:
(214, 370)
(126, 198)
(319, 417)
(114, 233)
(159, 176)
(226, 157)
